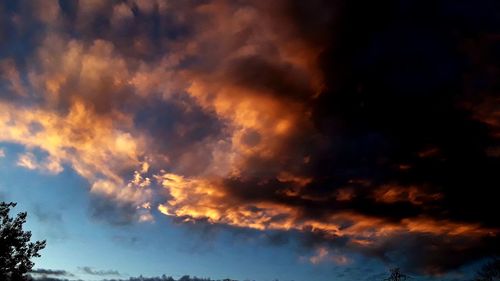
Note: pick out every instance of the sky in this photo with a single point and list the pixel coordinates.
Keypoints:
(254, 140)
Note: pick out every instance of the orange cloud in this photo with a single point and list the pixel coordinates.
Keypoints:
(198, 199)
(71, 71)
(9, 72)
(90, 144)
(487, 110)
(345, 194)
(412, 194)
(321, 254)
(29, 161)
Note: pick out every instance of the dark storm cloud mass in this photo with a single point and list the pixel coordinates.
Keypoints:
(398, 73)
(363, 126)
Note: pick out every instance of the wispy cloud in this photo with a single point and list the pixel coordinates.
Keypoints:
(29, 161)
(50, 272)
(92, 271)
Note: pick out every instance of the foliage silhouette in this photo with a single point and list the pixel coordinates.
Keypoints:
(396, 275)
(490, 271)
(16, 250)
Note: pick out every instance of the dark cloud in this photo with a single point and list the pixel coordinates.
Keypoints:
(394, 77)
(257, 73)
(395, 74)
(41, 274)
(92, 271)
(51, 272)
(127, 240)
(45, 278)
(432, 254)
(50, 218)
(113, 212)
(182, 132)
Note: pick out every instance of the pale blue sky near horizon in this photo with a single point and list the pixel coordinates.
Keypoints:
(58, 211)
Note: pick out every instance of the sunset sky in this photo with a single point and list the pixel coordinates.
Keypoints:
(251, 139)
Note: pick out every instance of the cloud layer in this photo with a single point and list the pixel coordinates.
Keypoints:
(366, 127)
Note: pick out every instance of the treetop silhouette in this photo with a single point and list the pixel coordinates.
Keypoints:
(16, 249)
(396, 275)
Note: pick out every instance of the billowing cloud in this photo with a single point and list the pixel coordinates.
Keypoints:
(284, 116)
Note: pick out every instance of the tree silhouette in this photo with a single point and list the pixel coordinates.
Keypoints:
(16, 250)
(396, 275)
(490, 271)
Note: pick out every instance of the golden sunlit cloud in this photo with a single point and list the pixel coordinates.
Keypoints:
(196, 199)
(92, 146)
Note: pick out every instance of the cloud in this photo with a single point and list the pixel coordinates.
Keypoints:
(393, 194)
(92, 271)
(52, 223)
(50, 165)
(51, 272)
(323, 255)
(11, 76)
(27, 161)
(89, 144)
(2, 153)
(376, 138)
(77, 137)
(45, 278)
(198, 199)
